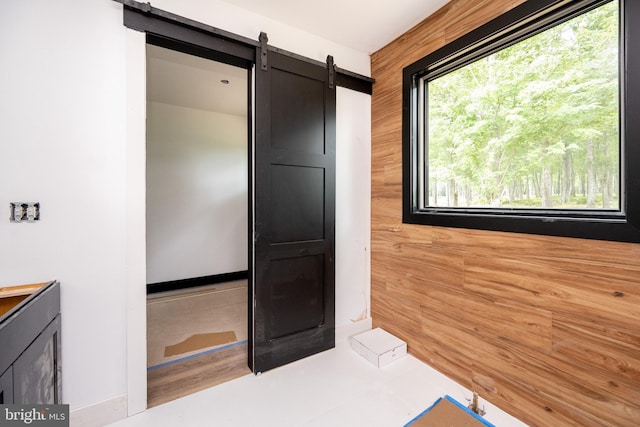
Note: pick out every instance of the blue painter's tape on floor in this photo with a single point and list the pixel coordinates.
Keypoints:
(458, 404)
(193, 356)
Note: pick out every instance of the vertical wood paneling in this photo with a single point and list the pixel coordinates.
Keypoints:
(546, 328)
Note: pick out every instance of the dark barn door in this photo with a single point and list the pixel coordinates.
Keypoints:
(294, 195)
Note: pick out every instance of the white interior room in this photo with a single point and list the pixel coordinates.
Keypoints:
(74, 102)
(135, 171)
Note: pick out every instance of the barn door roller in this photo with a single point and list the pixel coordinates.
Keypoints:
(332, 71)
(263, 39)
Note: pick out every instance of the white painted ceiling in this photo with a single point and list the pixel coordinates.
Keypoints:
(363, 25)
(189, 81)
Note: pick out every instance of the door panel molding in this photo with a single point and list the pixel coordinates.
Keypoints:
(294, 286)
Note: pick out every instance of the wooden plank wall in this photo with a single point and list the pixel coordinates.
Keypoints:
(546, 328)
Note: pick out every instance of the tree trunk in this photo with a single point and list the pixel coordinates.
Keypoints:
(511, 190)
(434, 181)
(547, 187)
(606, 183)
(591, 177)
(452, 193)
(606, 190)
(536, 186)
(566, 178)
(468, 195)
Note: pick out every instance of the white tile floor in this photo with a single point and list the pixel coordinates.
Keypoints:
(335, 388)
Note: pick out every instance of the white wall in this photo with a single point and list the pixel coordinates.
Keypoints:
(72, 103)
(197, 199)
(62, 133)
(353, 206)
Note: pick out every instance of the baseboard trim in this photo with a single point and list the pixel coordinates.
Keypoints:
(175, 285)
(344, 332)
(101, 413)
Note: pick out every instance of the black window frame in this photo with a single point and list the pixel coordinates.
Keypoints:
(532, 17)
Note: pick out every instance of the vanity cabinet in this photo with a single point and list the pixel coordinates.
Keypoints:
(30, 346)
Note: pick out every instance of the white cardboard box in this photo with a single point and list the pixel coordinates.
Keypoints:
(378, 346)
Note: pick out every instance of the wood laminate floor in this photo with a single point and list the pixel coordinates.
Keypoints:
(167, 383)
(177, 317)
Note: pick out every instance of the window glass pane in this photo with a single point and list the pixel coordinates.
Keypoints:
(532, 126)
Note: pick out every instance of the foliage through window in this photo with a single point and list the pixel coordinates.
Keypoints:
(534, 125)
(522, 122)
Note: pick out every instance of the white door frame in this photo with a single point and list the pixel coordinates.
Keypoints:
(135, 220)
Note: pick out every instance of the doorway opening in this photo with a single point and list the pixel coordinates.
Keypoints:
(197, 216)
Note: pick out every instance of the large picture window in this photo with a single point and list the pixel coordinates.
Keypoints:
(526, 125)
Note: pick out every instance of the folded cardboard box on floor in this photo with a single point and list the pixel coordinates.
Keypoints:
(378, 346)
